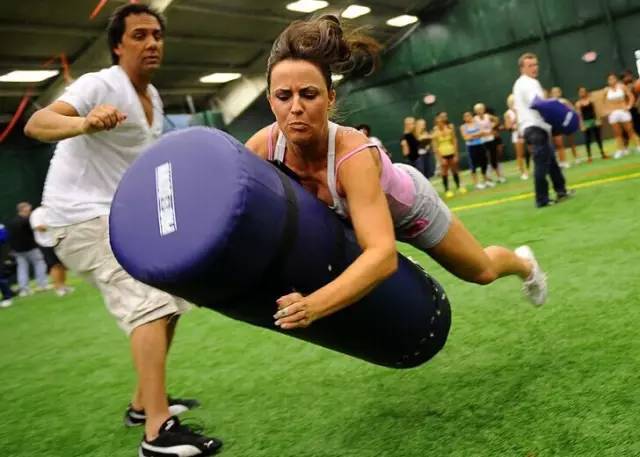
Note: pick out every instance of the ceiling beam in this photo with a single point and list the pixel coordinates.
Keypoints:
(216, 41)
(78, 32)
(225, 12)
(17, 92)
(55, 30)
(171, 91)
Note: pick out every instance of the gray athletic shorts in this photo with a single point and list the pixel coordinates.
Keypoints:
(428, 220)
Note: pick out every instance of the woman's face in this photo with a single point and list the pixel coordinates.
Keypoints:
(612, 80)
(409, 124)
(421, 125)
(582, 92)
(556, 92)
(300, 100)
(468, 117)
(479, 109)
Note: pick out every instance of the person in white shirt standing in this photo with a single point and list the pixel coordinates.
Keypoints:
(536, 132)
(103, 121)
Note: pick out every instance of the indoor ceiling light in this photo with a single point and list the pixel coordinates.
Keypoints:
(28, 76)
(336, 78)
(219, 78)
(401, 21)
(354, 11)
(307, 6)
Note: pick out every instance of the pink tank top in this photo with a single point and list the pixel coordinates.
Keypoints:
(396, 183)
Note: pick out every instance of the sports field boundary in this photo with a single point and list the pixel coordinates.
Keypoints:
(528, 195)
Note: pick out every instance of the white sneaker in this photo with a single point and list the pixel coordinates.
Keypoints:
(24, 293)
(5, 303)
(618, 154)
(62, 291)
(489, 183)
(535, 286)
(502, 179)
(524, 176)
(564, 164)
(480, 186)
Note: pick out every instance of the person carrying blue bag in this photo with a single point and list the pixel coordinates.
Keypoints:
(536, 118)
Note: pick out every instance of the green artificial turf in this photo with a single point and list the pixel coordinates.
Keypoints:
(513, 380)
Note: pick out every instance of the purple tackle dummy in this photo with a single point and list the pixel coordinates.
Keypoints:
(201, 217)
(555, 113)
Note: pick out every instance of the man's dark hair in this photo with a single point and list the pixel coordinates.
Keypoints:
(116, 26)
(364, 127)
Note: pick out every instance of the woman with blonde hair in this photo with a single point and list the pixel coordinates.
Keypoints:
(425, 161)
(511, 124)
(445, 145)
(487, 122)
(618, 100)
(558, 138)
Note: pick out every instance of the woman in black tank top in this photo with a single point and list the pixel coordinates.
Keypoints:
(589, 123)
(409, 143)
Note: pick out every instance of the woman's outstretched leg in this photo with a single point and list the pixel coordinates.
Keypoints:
(462, 255)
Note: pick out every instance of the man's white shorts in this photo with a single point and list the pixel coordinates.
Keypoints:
(85, 249)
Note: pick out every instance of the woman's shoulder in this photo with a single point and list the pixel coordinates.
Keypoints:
(259, 142)
(348, 139)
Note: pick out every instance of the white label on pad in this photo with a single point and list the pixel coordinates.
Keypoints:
(164, 194)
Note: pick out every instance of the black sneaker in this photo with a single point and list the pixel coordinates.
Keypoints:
(177, 440)
(567, 194)
(544, 205)
(134, 417)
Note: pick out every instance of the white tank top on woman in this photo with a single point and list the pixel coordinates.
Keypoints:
(396, 184)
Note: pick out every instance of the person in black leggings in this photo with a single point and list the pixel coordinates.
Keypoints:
(589, 122)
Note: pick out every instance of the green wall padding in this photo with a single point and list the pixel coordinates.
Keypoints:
(470, 54)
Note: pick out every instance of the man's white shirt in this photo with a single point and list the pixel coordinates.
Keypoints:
(86, 169)
(525, 90)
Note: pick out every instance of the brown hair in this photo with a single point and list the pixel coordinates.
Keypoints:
(323, 42)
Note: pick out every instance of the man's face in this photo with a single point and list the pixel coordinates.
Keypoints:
(142, 44)
(530, 67)
(24, 210)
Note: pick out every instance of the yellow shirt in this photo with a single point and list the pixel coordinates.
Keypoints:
(444, 141)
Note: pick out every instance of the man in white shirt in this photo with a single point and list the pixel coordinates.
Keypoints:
(103, 121)
(536, 132)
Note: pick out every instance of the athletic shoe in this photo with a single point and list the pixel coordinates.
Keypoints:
(480, 186)
(524, 176)
(535, 286)
(567, 194)
(564, 165)
(462, 190)
(544, 205)
(62, 291)
(502, 180)
(133, 417)
(177, 440)
(449, 194)
(618, 154)
(25, 293)
(489, 183)
(6, 303)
